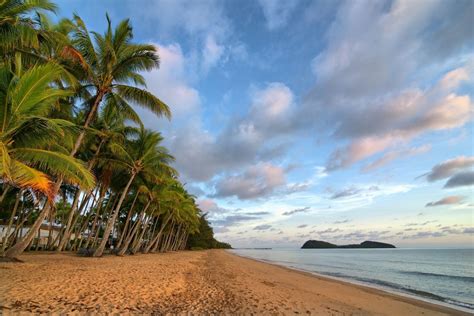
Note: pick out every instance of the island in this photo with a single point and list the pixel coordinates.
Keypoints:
(318, 244)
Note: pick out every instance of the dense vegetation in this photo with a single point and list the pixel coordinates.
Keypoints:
(75, 159)
(204, 238)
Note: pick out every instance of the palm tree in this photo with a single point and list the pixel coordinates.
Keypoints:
(28, 154)
(144, 156)
(109, 127)
(111, 63)
(108, 66)
(17, 28)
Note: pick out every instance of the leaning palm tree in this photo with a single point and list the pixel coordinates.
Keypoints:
(141, 155)
(109, 69)
(30, 154)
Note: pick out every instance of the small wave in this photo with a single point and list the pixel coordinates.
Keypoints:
(436, 275)
(402, 289)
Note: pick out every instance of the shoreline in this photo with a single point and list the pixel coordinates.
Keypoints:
(188, 282)
(379, 289)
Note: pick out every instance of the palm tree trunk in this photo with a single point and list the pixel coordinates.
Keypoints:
(100, 250)
(96, 217)
(88, 121)
(125, 227)
(151, 233)
(133, 231)
(156, 242)
(68, 228)
(10, 221)
(139, 240)
(6, 187)
(18, 248)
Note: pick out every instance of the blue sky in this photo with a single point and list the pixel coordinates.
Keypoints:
(335, 120)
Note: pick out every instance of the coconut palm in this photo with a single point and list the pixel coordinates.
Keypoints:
(142, 155)
(17, 28)
(29, 151)
(111, 70)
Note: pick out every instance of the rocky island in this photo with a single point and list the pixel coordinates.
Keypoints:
(318, 244)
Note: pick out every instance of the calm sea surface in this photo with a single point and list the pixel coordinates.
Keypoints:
(444, 275)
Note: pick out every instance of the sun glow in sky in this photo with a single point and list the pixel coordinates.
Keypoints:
(335, 120)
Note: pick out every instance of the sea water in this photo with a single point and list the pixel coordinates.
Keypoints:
(443, 275)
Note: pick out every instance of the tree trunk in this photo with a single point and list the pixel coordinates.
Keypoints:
(133, 231)
(156, 242)
(10, 222)
(139, 240)
(125, 226)
(68, 228)
(96, 217)
(100, 250)
(6, 187)
(88, 121)
(18, 248)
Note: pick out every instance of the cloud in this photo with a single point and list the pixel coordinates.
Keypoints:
(449, 167)
(195, 18)
(398, 121)
(171, 83)
(203, 25)
(421, 223)
(352, 191)
(211, 207)
(449, 200)
(355, 84)
(468, 231)
(220, 230)
(244, 140)
(425, 234)
(262, 227)
(277, 13)
(395, 154)
(460, 179)
(298, 210)
(328, 231)
(342, 222)
(212, 53)
(456, 169)
(257, 213)
(231, 220)
(302, 226)
(257, 181)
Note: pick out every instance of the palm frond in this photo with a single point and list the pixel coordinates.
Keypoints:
(72, 170)
(144, 99)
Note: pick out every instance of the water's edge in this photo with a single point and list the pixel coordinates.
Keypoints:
(440, 302)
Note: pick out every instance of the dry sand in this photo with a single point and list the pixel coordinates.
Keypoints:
(202, 282)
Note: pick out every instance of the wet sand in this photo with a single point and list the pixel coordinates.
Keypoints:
(199, 282)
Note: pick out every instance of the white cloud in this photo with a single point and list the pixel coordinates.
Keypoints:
(399, 120)
(244, 140)
(257, 181)
(374, 87)
(170, 82)
(277, 12)
(212, 53)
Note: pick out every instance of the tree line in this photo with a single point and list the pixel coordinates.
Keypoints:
(75, 159)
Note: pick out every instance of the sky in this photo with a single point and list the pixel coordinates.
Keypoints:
(341, 121)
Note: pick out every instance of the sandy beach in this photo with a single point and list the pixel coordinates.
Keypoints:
(200, 282)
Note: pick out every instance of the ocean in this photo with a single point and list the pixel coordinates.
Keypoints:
(437, 275)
